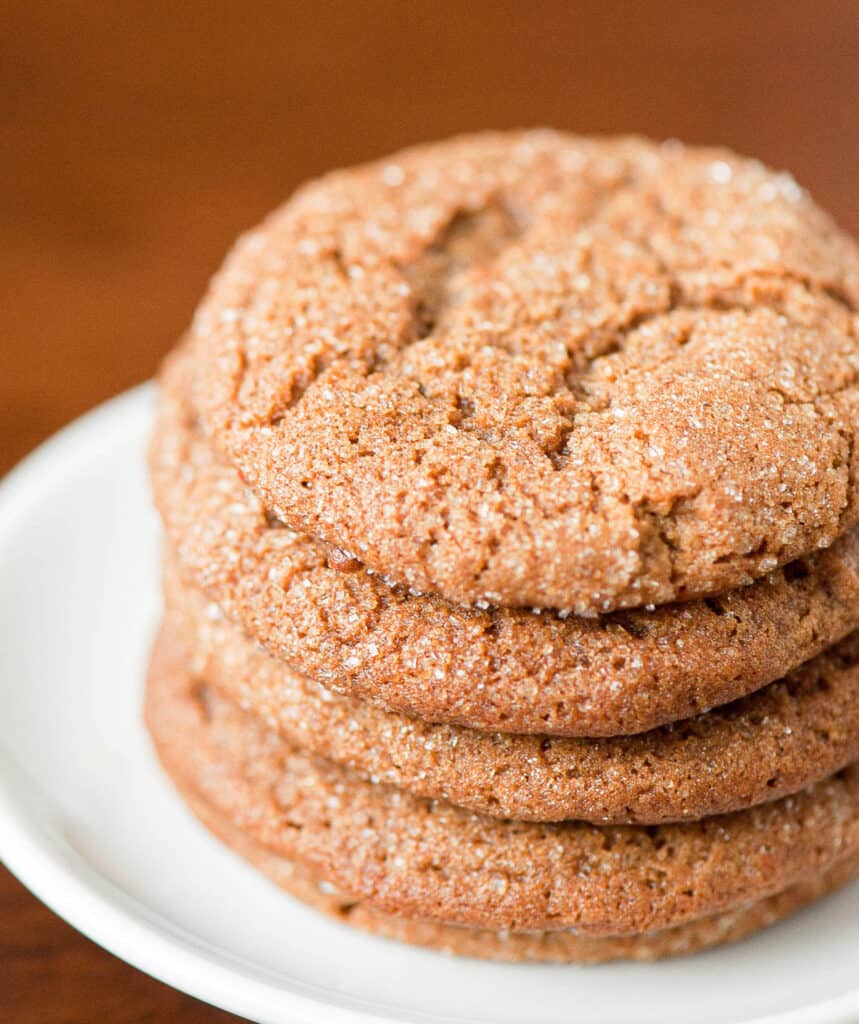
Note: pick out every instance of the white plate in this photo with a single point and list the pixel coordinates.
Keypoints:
(90, 825)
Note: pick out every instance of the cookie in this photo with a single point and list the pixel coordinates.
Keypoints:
(766, 746)
(536, 370)
(491, 669)
(534, 947)
(427, 859)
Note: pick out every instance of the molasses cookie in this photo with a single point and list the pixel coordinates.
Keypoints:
(536, 370)
(520, 947)
(493, 669)
(427, 859)
(770, 744)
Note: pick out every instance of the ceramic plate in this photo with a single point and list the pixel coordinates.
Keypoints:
(88, 822)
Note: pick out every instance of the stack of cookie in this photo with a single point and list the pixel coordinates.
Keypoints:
(510, 497)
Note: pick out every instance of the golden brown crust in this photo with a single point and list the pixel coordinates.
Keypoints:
(539, 370)
(417, 858)
(522, 947)
(493, 669)
(766, 746)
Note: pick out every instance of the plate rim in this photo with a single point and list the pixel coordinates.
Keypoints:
(67, 884)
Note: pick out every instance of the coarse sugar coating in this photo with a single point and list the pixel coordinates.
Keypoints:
(520, 947)
(493, 669)
(773, 743)
(537, 370)
(428, 859)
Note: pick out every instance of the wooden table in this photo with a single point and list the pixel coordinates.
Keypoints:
(137, 139)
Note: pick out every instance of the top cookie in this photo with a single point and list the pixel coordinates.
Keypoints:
(536, 370)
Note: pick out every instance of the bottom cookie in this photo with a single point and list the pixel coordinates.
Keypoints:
(280, 811)
(556, 947)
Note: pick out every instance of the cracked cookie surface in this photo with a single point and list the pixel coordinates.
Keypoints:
(494, 669)
(538, 370)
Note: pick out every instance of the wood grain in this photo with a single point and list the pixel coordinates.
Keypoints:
(138, 138)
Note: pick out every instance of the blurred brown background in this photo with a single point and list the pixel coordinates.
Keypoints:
(138, 138)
